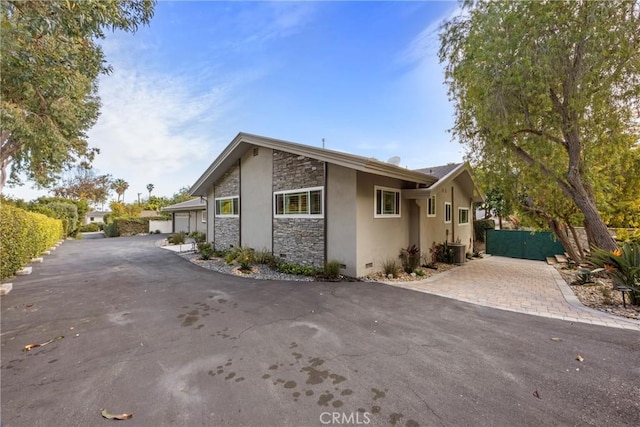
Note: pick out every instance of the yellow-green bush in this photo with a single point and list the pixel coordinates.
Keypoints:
(24, 235)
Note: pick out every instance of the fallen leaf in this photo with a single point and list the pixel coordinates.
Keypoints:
(29, 305)
(109, 416)
(536, 394)
(32, 346)
(579, 358)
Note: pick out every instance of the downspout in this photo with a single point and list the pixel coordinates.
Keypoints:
(453, 223)
(326, 221)
(239, 203)
(213, 219)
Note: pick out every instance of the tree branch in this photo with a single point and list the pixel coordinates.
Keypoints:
(543, 134)
(522, 154)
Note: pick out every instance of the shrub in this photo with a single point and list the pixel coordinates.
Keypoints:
(111, 230)
(206, 250)
(390, 267)
(332, 269)
(89, 228)
(23, 236)
(240, 255)
(296, 269)
(410, 258)
(263, 256)
(198, 236)
(177, 238)
(481, 226)
(623, 265)
(131, 226)
(442, 253)
(420, 273)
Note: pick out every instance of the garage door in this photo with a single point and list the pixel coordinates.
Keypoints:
(181, 222)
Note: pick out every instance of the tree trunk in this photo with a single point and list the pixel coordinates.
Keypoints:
(597, 232)
(562, 235)
(576, 240)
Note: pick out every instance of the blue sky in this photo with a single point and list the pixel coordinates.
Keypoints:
(362, 75)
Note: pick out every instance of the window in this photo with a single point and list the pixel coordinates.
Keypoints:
(226, 206)
(203, 216)
(463, 215)
(306, 202)
(447, 212)
(431, 206)
(387, 202)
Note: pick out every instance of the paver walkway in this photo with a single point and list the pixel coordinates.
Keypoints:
(523, 286)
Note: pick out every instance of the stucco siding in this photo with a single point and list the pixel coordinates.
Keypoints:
(341, 217)
(379, 239)
(435, 230)
(256, 209)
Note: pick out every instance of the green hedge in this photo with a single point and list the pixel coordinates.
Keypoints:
(23, 236)
(481, 226)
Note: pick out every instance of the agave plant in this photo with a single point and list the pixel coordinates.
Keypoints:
(623, 265)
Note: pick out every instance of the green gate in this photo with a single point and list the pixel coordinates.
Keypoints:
(523, 244)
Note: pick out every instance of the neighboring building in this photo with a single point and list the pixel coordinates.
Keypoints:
(309, 205)
(188, 216)
(95, 216)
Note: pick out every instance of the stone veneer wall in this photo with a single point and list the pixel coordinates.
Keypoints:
(298, 240)
(226, 231)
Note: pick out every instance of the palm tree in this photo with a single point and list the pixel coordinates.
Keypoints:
(150, 188)
(120, 186)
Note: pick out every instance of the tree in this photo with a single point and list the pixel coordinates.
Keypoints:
(181, 196)
(50, 61)
(120, 186)
(84, 184)
(150, 188)
(549, 86)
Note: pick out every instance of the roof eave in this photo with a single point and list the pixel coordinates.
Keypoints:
(231, 153)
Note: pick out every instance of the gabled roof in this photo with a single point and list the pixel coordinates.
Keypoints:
(439, 171)
(190, 205)
(244, 141)
(446, 174)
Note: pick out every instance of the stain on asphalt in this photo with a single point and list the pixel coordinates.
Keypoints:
(325, 398)
(395, 418)
(377, 394)
(290, 384)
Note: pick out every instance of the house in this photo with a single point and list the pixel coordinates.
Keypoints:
(95, 216)
(188, 216)
(309, 205)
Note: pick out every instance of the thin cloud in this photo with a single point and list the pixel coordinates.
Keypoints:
(426, 44)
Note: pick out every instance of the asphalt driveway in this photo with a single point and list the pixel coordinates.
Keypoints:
(147, 332)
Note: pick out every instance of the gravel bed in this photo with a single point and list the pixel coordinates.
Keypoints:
(260, 272)
(599, 296)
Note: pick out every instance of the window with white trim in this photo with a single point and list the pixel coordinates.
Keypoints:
(203, 216)
(387, 202)
(300, 203)
(227, 206)
(463, 215)
(447, 212)
(431, 206)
